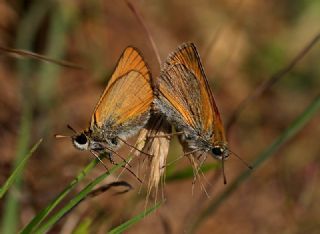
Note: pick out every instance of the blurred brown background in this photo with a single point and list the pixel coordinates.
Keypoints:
(242, 43)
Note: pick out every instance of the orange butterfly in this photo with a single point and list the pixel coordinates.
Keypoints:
(183, 95)
(123, 108)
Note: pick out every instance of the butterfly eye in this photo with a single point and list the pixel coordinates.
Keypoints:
(81, 139)
(217, 150)
(114, 141)
(81, 142)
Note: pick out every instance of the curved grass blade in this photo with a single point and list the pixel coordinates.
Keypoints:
(29, 54)
(46, 211)
(123, 227)
(288, 134)
(18, 170)
(75, 201)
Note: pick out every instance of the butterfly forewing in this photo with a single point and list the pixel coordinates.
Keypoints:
(184, 89)
(130, 60)
(128, 95)
(175, 88)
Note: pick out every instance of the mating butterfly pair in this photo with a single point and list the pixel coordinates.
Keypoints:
(181, 94)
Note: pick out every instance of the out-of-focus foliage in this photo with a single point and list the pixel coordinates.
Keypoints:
(241, 43)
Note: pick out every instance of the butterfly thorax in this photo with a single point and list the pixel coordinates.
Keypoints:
(105, 137)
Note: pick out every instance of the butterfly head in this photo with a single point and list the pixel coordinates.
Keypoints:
(84, 141)
(220, 151)
(94, 141)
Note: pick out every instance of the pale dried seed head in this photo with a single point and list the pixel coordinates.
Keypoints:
(150, 140)
(159, 148)
(141, 141)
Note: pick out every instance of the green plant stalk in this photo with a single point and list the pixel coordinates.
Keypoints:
(61, 22)
(25, 35)
(37, 220)
(123, 227)
(17, 171)
(11, 209)
(80, 196)
(48, 73)
(288, 134)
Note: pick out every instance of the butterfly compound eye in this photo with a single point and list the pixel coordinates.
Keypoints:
(81, 142)
(218, 151)
(81, 139)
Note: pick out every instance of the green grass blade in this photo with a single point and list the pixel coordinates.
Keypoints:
(78, 198)
(188, 172)
(26, 32)
(45, 212)
(289, 133)
(17, 172)
(83, 227)
(123, 227)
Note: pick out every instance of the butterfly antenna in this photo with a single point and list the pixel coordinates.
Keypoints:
(223, 171)
(97, 157)
(71, 128)
(60, 136)
(242, 160)
(64, 136)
